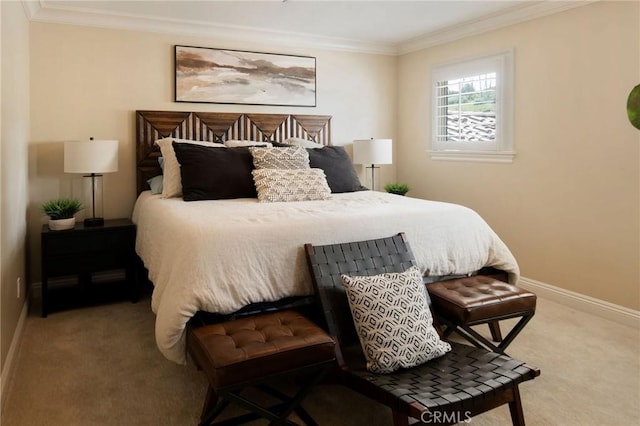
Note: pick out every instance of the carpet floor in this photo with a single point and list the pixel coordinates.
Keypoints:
(99, 365)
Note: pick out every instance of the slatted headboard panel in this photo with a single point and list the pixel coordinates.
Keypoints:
(218, 127)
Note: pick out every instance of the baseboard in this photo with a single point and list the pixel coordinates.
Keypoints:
(9, 364)
(580, 302)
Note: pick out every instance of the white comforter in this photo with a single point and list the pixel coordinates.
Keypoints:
(218, 256)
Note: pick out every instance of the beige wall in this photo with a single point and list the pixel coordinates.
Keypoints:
(88, 82)
(569, 204)
(13, 169)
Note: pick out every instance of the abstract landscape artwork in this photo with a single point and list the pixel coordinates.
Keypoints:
(239, 77)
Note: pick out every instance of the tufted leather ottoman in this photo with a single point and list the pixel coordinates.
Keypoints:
(463, 302)
(250, 350)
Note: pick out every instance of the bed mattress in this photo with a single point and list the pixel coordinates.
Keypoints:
(221, 255)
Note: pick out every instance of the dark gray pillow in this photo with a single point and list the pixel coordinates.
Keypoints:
(215, 173)
(280, 144)
(338, 168)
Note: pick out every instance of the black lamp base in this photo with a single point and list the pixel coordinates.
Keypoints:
(94, 221)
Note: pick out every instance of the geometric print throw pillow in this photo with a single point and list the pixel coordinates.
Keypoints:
(393, 320)
(294, 157)
(275, 185)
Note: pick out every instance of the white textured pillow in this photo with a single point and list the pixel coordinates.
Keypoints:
(305, 143)
(393, 320)
(294, 157)
(234, 142)
(171, 182)
(275, 185)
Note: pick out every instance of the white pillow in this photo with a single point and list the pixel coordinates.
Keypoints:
(393, 320)
(275, 185)
(305, 143)
(171, 181)
(293, 157)
(234, 142)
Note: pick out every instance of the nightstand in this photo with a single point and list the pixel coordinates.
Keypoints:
(83, 251)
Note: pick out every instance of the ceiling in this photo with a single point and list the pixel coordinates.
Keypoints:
(387, 27)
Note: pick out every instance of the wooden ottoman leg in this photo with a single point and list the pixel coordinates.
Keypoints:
(494, 327)
(210, 401)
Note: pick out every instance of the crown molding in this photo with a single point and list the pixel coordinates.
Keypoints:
(517, 14)
(31, 7)
(41, 11)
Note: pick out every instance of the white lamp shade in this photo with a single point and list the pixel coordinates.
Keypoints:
(95, 156)
(373, 151)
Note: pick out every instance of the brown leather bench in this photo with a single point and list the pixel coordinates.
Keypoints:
(251, 351)
(464, 302)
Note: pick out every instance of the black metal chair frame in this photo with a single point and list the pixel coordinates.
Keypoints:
(461, 384)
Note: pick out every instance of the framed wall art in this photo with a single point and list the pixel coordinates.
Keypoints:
(239, 77)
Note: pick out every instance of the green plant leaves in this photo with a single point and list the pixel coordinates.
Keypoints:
(633, 107)
(397, 188)
(62, 208)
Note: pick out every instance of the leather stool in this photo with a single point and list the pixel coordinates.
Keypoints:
(250, 351)
(464, 302)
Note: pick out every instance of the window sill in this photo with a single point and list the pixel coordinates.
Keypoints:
(475, 156)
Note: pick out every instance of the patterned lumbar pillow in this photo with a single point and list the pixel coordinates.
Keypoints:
(393, 320)
(291, 185)
(294, 157)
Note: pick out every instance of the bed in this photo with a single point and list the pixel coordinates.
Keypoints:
(219, 256)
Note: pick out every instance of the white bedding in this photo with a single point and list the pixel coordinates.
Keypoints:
(218, 256)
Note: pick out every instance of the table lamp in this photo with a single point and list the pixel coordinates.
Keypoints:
(373, 151)
(92, 157)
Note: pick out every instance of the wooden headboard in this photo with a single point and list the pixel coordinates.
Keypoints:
(218, 127)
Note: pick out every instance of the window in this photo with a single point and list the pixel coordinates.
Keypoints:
(472, 110)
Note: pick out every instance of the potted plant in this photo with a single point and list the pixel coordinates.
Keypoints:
(61, 212)
(397, 188)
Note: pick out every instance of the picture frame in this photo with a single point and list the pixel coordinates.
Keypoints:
(224, 76)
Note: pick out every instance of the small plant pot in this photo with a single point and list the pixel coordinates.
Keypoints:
(62, 224)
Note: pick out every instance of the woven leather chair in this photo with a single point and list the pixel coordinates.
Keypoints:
(446, 390)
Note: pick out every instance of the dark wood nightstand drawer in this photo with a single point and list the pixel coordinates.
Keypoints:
(86, 263)
(89, 242)
(83, 251)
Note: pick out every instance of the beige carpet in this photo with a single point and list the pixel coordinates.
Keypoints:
(99, 366)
